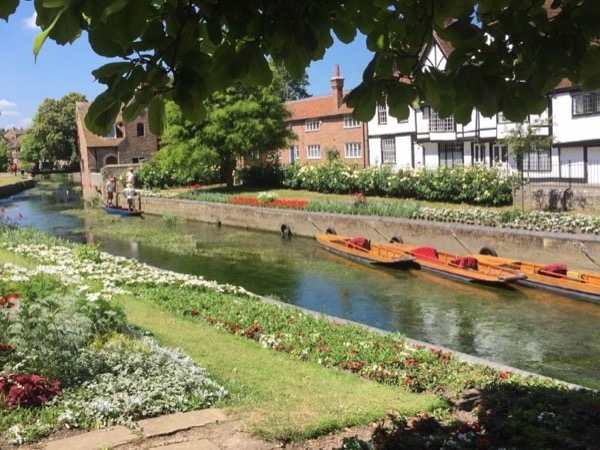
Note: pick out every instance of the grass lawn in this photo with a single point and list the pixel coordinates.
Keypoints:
(277, 397)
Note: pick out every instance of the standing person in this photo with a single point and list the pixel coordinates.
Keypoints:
(13, 169)
(131, 177)
(129, 193)
(110, 191)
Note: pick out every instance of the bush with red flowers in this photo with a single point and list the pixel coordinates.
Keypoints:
(22, 390)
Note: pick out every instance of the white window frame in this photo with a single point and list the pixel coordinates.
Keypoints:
(312, 125)
(439, 125)
(294, 152)
(313, 151)
(350, 122)
(382, 115)
(388, 150)
(352, 150)
(138, 159)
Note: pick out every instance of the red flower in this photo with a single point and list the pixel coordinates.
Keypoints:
(194, 312)
(6, 348)
(504, 375)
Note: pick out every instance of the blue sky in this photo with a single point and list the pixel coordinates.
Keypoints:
(25, 83)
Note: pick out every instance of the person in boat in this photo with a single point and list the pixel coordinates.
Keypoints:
(129, 193)
(110, 191)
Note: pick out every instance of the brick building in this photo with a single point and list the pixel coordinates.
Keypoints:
(128, 144)
(325, 124)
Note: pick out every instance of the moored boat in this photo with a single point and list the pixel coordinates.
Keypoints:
(465, 268)
(555, 277)
(362, 250)
(120, 211)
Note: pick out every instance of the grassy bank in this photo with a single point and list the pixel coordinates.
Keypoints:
(278, 397)
(291, 375)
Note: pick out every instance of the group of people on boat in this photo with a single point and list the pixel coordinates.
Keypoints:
(129, 190)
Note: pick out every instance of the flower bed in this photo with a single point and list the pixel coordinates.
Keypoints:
(277, 203)
(507, 410)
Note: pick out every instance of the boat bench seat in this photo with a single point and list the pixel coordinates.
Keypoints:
(359, 242)
(554, 269)
(466, 262)
(427, 252)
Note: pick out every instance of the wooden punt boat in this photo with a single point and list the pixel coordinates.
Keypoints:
(465, 268)
(552, 277)
(116, 210)
(362, 250)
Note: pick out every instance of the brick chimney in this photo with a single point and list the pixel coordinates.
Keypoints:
(337, 86)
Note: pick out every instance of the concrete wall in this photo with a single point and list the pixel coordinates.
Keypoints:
(583, 199)
(546, 247)
(12, 189)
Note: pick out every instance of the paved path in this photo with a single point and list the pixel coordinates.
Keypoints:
(208, 429)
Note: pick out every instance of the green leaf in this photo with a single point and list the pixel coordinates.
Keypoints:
(343, 27)
(111, 70)
(41, 38)
(115, 7)
(102, 113)
(362, 101)
(55, 3)
(463, 113)
(156, 115)
(8, 7)
(258, 70)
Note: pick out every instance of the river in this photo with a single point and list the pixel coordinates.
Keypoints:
(531, 330)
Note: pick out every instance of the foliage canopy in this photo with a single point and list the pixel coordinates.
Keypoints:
(240, 122)
(507, 54)
(53, 134)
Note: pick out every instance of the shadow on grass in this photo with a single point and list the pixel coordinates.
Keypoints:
(500, 416)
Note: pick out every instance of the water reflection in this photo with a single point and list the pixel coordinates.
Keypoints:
(531, 330)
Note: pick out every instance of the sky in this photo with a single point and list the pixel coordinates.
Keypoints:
(59, 70)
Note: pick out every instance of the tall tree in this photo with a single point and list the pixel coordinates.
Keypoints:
(53, 134)
(507, 54)
(288, 86)
(5, 155)
(241, 121)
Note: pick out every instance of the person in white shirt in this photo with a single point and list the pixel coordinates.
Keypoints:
(131, 177)
(129, 193)
(110, 190)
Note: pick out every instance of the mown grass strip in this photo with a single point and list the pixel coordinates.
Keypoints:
(278, 398)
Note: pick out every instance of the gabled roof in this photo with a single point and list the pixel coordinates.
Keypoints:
(13, 137)
(91, 139)
(315, 107)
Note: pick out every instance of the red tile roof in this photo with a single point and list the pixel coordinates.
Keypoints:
(315, 107)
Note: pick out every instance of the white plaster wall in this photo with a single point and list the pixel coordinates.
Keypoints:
(572, 129)
(571, 162)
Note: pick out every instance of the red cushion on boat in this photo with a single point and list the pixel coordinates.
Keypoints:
(359, 242)
(556, 268)
(425, 251)
(466, 262)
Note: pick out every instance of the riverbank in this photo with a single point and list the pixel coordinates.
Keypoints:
(11, 185)
(494, 408)
(521, 244)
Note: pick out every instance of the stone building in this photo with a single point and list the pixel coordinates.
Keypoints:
(128, 144)
(14, 138)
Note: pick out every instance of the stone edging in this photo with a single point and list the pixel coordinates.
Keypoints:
(451, 237)
(15, 188)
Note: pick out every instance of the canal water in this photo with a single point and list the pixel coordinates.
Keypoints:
(531, 330)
